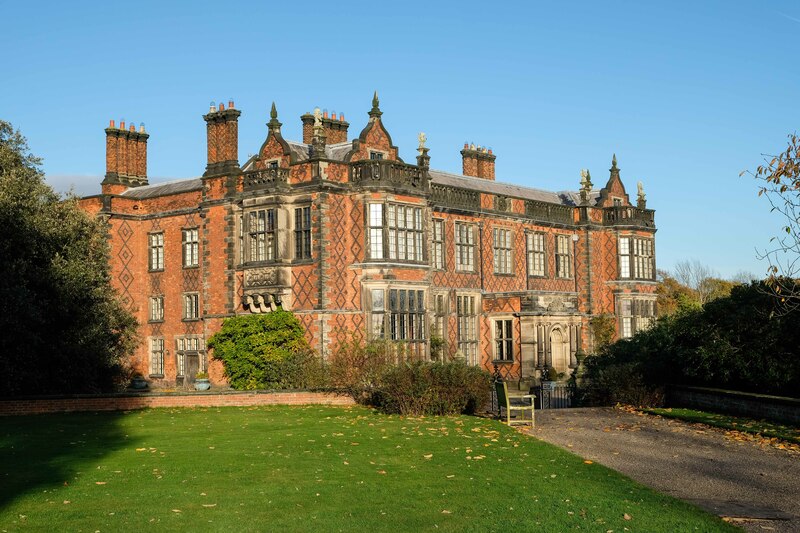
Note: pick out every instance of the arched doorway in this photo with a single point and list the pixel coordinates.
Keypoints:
(559, 350)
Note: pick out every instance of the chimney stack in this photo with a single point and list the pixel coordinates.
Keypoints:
(335, 129)
(477, 161)
(126, 157)
(222, 130)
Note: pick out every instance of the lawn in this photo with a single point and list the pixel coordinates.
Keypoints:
(765, 428)
(310, 469)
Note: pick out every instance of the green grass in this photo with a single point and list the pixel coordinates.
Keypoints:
(309, 469)
(765, 428)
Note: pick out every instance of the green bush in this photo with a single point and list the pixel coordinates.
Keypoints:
(743, 341)
(433, 388)
(267, 351)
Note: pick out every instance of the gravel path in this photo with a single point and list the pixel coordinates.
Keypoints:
(757, 486)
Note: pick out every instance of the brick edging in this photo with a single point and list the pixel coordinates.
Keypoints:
(131, 401)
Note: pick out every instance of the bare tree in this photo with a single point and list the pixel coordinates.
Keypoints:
(696, 276)
(745, 277)
(780, 185)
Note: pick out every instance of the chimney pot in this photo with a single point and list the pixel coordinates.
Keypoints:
(230, 103)
(325, 113)
(333, 115)
(212, 108)
(221, 106)
(141, 127)
(111, 123)
(132, 127)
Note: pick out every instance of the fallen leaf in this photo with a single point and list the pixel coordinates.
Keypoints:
(209, 505)
(99, 482)
(445, 511)
(626, 516)
(176, 510)
(140, 449)
(381, 471)
(428, 456)
(588, 462)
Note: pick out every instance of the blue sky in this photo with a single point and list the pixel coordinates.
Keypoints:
(687, 94)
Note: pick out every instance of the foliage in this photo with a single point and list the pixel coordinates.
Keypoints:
(618, 384)
(342, 469)
(737, 342)
(434, 388)
(63, 329)
(267, 351)
(603, 328)
(357, 367)
(674, 296)
(779, 179)
(201, 375)
(437, 345)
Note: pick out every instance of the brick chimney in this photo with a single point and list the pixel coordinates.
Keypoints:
(222, 128)
(126, 157)
(477, 161)
(335, 128)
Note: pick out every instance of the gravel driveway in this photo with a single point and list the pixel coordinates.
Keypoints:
(756, 486)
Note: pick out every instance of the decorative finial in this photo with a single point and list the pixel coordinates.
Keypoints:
(641, 198)
(614, 161)
(586, 179)
(422, 138)
(376, 110)
(317, 119)
(273, 114)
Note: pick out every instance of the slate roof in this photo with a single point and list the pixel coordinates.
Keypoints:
(506, 189)
(337, 151)
(163, 189)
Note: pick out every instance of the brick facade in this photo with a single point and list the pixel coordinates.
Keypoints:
(356, 241)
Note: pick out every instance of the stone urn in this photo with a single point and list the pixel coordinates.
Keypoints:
(201, 382)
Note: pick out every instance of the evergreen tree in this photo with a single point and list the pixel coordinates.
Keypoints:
(62, 329)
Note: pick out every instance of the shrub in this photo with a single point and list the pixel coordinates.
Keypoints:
(356, 367)
(266, 351)
(619, 383)
(434, 388)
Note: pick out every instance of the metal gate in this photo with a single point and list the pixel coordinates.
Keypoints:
(554, 395)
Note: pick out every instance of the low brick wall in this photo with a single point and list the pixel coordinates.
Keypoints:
(735, 403)
(129, 401)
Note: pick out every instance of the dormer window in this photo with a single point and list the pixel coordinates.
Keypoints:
(617, 202)
(376, 156)
(272, 164)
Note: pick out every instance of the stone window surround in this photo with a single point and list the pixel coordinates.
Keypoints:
(284, 231)
(438, 247)
(156, 363)
(496, 341)
(386, 286)
(371, 227)
(637, 322)
(473, 226)
(530, 252)
(632, 268)
(155, 252)
(505, 265)
(156, 310)
(475, 358)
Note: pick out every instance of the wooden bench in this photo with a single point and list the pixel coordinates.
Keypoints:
(503, 401)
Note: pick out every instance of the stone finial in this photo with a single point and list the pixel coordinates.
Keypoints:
(614, 161)
(376, 110)
(273, 123)
(641, 198)
(422, 138)
(586, 180)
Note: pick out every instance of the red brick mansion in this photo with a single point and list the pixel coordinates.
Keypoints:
(355, 240)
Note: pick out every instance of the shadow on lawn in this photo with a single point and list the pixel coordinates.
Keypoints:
(46, 451)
